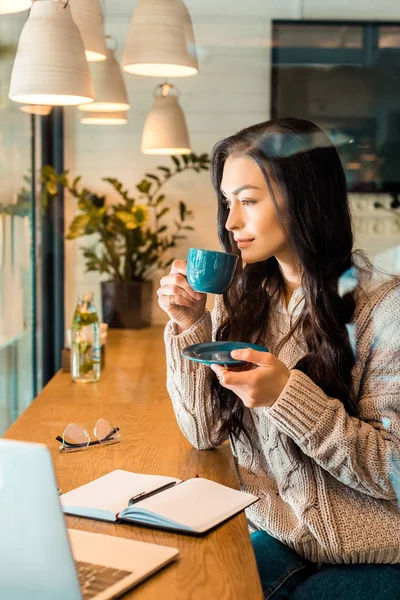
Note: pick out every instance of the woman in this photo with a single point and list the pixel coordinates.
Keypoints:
(314, 424)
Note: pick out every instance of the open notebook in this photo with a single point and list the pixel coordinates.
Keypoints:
(195, 505)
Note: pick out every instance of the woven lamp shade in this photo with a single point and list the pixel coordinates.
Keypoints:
(50, 66)
(89, 18)
(157, 43)
(37, 109)
(165, 130)
(109, 86)
(105, 118)
(13, 6)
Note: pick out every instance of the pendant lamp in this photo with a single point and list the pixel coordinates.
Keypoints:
(165, 130)
(37, 109)
(88, 16)
(189, 33)
(13, 6)
(160, 40)
(105, 118)
(50, 66)
(109, 86)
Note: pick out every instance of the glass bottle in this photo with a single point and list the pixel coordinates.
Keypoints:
(85, 347)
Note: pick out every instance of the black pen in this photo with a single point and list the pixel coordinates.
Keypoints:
(145, 495)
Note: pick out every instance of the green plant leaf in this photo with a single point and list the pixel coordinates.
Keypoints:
(48, 171)
(98, 214)
(159, 200)
(141, 214)
(144, 186)
(133, 219)
(127, 218)
(151, 176)
(177, 163)
(82, 204)
(165, 170)
(163, 212)
(51, 187)
(182, 210)
(97, 201)
(78, 226)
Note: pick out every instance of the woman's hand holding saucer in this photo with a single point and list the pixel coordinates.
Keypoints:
(258, 383)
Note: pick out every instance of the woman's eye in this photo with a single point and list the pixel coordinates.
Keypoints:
(243, 202)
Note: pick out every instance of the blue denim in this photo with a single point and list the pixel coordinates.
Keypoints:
(287, 576)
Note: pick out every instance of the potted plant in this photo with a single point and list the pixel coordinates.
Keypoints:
(132, 240)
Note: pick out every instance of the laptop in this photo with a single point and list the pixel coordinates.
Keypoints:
(39, 558)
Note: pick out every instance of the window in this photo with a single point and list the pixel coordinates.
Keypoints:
(345, 76)
(18, 366)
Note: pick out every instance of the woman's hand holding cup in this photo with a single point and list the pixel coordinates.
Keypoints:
(182, 304)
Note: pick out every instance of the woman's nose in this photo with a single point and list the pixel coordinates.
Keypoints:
(234, 220)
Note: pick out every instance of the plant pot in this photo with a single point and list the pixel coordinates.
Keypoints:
(127, 305)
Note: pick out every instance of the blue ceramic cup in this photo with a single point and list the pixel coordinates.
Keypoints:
(210, 271)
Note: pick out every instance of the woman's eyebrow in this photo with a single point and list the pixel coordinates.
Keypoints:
(241, 188)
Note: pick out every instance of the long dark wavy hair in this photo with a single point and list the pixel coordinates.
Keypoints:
(296, 157)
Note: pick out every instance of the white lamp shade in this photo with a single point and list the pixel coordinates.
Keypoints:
(109, 86)
(37, 109)
(189, 33)
(14, 6)
(88, 16)
(105, 118)
(157, 44)
(50, 66)
(165, 130)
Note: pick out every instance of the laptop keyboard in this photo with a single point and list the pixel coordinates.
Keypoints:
(94, 579)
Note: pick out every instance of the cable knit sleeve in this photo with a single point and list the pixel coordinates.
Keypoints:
(363, 451)
(189, 383)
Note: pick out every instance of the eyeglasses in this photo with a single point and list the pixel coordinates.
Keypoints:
(75, 437)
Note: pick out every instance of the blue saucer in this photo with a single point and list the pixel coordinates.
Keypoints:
(218, 353)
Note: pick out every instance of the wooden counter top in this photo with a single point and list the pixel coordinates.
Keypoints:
(132, 395)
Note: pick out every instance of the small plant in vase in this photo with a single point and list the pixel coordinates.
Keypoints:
(133, 239)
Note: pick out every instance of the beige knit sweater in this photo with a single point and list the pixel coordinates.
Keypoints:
(326, 481)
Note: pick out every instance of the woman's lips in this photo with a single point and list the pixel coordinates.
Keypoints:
(244, 243)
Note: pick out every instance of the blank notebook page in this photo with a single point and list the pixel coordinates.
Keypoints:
(199, 504)
(112, 491)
